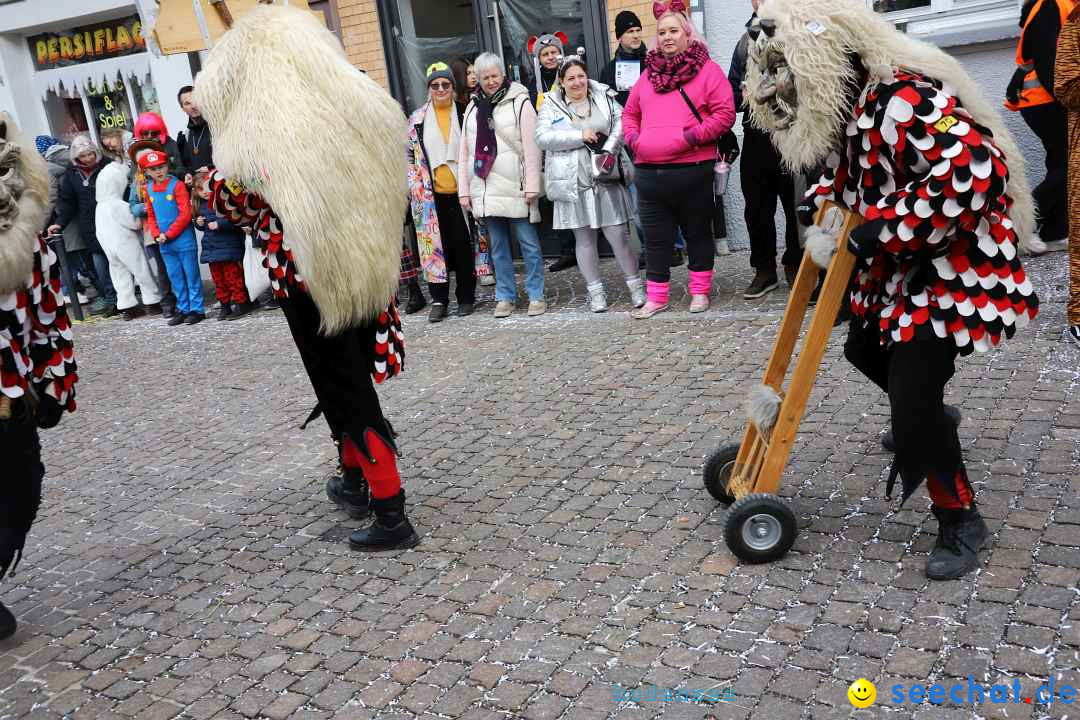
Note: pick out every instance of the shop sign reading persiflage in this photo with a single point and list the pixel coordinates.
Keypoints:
(87, 44)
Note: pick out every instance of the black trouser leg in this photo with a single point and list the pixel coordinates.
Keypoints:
(457, 250)
(339, 368)
(914, 375)
(1050, 123)
(756, 175)
(793, 252)
(20, 492)
(670, 198)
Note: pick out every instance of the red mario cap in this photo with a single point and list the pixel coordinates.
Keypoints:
(151, 159)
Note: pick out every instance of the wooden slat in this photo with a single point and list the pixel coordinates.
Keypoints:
(806, 368)
(177, 30)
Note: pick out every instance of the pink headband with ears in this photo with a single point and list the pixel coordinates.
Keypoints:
(659, 9)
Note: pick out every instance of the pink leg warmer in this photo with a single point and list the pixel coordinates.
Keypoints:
(700, 282)
(658, 292)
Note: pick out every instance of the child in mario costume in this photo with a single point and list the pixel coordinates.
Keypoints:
(168, 217)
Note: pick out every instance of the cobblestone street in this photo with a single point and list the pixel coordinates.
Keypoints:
(186, 561)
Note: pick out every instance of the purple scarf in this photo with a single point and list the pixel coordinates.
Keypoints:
(487, 148)
(667, 74)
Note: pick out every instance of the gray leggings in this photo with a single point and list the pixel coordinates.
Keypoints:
(588, 257)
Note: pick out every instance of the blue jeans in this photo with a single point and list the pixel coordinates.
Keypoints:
(102, 280)
(499, 229)
(183, 269)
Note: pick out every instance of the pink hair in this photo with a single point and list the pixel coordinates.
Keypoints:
(688, 27)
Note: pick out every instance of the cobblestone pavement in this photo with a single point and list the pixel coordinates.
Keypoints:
(187, 563)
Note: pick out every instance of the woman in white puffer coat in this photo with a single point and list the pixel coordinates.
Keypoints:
(499, 179)
(118, 231)
(581, 123)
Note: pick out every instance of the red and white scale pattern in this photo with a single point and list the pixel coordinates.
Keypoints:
(935, 183)
(250, 210)
(35, 336)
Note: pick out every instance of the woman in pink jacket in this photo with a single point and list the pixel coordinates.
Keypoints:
(675, 150)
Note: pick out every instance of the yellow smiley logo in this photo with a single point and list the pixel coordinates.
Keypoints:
(862, 693)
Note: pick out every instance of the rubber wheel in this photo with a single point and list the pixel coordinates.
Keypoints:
(760, 528)
(718, 467)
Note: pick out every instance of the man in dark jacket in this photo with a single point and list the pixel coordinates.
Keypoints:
(78, 199)
(1031, 93)
(196, 146)
(629, 61)
(763, 181)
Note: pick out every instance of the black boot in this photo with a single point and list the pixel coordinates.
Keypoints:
(889, 442)
(349, 489)
(565, 262)
(7, 623)
(961, 534)
(416, 298)
(391, 529)
(224, 311)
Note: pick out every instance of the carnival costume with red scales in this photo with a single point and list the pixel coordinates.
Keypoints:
(908, 143)
(37, 358)
(324, 198)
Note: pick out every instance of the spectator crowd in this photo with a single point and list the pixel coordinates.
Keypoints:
(585, 154)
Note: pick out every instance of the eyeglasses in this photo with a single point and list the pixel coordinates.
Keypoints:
(440, 85)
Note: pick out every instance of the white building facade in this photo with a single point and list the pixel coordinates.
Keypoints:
(982, 34)
(84, 66)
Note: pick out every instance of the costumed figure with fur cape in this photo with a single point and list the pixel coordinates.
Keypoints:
(907, 141)
(37, 359)
(324, 192)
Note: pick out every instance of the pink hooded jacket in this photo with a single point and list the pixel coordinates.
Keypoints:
(653, 122)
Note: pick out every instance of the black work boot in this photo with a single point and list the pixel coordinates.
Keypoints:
(349, 489)
(889, 442)
(416, 301)
(391, 529)
(961, 534)
(7, 623)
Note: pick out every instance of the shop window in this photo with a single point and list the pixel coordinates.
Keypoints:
(67, 117)
(955, 15)
(109, 105)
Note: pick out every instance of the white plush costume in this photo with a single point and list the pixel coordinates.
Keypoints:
(119, 233)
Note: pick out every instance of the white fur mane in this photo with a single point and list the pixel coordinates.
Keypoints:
(18, 244)
(824, 77)
(321, 142)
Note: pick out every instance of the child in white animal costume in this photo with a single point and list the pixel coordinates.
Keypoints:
(119, 233)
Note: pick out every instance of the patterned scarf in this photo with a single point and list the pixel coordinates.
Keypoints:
(667, 74)
(486, 146)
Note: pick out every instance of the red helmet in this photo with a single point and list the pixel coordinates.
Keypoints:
(152, 123)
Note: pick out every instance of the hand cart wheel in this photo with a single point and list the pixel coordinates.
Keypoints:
(759, 526)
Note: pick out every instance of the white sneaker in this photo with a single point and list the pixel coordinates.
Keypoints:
(503, 308)
(537, 307)
(487, 280)
(1074, 333)
(597, 301)
(1057, 245)
(722, 247)
(82, 298)
(638, 296)
(699, 303)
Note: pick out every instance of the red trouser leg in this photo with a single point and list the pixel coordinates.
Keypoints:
(379, 464)
(953, 493)
(221, 282)
(234, 281)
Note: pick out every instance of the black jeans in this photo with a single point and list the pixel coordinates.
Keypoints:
(457, 252)
(764, 180)
(672, 197)
(339, 367)
(1050, 123)
(20, 492)
(567, 243)
(913, 374)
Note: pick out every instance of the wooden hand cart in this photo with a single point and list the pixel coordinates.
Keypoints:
(759, 526)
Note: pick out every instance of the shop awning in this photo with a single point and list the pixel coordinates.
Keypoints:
(77, 77)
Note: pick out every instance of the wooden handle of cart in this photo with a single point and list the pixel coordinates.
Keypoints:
(222, 7)
(760, 463)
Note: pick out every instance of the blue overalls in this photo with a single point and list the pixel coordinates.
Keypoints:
(181, 254)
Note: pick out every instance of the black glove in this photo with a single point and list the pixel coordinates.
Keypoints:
(48, 412)
(1016, 84)
(863, 241)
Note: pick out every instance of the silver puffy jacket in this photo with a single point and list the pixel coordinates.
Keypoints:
(562, 142)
